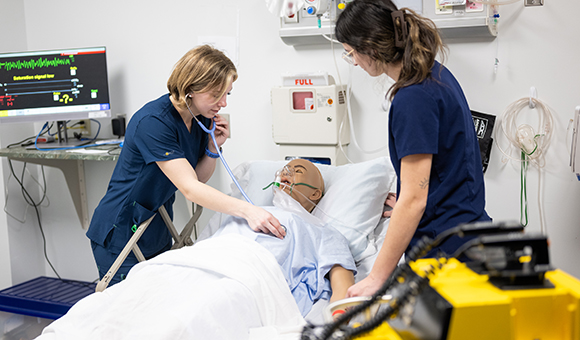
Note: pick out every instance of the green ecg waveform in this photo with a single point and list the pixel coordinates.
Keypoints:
(33, 64)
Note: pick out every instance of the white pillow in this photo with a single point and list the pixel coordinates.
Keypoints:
(354, 200)
(352, 203)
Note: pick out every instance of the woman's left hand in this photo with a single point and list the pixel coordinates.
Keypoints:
(389, 204)
(222, 131)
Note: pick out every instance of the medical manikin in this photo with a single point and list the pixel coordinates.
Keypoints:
(314, 257)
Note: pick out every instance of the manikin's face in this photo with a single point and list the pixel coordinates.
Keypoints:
(303, 171)
(208, 104)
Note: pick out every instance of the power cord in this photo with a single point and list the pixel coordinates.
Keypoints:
(30, 201)
(28, 198)
(42, 187)
(65, 148)
(531, 146)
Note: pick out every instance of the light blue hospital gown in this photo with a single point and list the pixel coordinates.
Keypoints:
(306, 254)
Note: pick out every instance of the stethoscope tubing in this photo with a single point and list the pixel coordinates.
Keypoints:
(211, 132)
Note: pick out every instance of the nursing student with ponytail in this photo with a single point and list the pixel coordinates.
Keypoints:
(432, 141)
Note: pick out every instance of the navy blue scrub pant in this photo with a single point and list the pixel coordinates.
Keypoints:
(105, 259)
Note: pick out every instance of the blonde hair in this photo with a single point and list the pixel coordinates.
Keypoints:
(369, 28)
(202, 69)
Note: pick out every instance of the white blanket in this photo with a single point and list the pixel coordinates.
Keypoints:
(227, 287)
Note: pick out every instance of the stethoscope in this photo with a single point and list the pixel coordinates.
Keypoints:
(211, 132)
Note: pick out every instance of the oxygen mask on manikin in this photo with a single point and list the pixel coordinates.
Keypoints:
(287, 182)
(286, 196)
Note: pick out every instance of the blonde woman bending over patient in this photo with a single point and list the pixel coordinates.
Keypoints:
(166, 150)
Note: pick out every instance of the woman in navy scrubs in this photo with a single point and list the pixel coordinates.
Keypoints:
(432, 141)
(166, 150)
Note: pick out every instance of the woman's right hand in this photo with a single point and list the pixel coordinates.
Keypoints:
(183, 176)
(365, 287)
(261, 220)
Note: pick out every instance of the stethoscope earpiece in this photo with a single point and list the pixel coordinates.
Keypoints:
(206, 130)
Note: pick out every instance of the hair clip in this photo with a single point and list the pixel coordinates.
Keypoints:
(400, 37)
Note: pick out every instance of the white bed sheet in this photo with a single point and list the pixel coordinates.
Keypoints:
(232, 288)
(363, 266)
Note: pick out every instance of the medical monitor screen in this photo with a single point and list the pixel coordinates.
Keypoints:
(54, 85)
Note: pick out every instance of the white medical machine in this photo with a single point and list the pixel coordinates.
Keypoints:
(309, 22)
(309, 118)
(312, 22)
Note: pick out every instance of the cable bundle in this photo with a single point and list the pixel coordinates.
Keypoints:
(532, 145)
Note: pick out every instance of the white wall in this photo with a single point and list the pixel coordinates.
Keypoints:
(536, 47)
(12, 21)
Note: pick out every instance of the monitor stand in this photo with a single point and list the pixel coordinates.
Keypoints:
(63, 140)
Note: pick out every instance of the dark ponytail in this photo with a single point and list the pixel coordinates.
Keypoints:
(371, 28)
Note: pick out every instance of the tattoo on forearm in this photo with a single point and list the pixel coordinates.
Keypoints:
(424, 183)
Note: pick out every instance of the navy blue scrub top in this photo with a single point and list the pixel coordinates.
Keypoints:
(433, 117)
(138, 187)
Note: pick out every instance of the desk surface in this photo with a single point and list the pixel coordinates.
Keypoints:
(71, 162)
(107, 152)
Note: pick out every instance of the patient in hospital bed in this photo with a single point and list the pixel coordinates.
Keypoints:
(233, 285)
(314, 257)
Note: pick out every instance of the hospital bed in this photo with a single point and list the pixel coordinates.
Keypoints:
(232, 288)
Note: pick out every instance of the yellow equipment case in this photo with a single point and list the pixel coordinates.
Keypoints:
(504, 290)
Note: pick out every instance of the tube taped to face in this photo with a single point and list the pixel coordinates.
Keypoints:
(285, 180)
